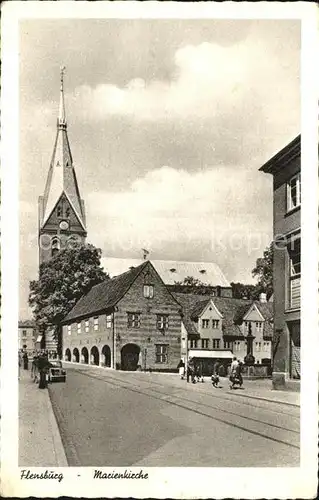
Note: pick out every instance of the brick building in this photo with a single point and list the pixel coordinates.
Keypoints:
(285, 167)
(217, 328)
(128, 321)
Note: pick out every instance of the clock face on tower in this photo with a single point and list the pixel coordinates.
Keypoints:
(64, 225)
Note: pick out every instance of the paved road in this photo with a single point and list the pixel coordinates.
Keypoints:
(125, 419)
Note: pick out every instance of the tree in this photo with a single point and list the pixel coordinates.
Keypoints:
(241, 291)
(263, 271)
(62, 281)
(192, 285)
(190, 281)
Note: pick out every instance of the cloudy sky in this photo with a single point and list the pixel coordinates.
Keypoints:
(169, 122)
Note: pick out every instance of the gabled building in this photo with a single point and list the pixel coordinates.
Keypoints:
(285, 167)
(217, 328)
(128, 322)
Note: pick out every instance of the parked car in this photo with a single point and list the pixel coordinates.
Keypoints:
(56, 371)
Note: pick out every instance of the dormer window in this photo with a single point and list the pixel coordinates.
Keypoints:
(148, 291)
(173, 270)
(202, 271)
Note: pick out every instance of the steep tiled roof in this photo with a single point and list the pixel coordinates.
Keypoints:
(194, 304)
(190, 327)
(232, 331)
(105, 295)
(232, 310)
(266, 309)
(268, 330)
(172, 271)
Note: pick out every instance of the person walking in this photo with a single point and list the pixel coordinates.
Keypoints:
(191, 371)
(35, 368)
(233, 372)
(181, 369)
(19, 365)
(238, 372)
(233, 366)
(199, 372)
(215, 374)
(43, 366)
(25, 361)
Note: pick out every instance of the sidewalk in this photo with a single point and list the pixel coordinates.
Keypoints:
(40, 444)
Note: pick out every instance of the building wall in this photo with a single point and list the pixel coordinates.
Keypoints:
(119, 334)
(26, 337)
(284, 224)
(210, 316)
(147, 336)
(98, 335)
(184, 342)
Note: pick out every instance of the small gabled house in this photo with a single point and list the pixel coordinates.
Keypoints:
(128, 322)
(217, 327)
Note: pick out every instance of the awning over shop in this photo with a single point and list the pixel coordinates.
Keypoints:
(39, 338)
(203, 353)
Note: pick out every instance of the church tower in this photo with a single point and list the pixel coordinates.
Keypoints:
(61, 209)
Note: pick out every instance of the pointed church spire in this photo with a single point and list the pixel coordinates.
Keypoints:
(62, 202)
(62, 118)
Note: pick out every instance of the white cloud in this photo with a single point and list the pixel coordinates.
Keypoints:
(209, 79)
(169, 205)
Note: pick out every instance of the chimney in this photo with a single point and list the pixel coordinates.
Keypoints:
(263, 298)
